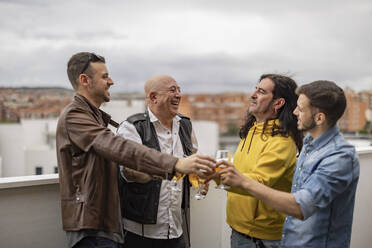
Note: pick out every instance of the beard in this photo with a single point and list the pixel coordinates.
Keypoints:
(308, 126)
(267, 109)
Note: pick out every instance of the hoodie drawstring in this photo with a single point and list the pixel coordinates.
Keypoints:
(250, 143)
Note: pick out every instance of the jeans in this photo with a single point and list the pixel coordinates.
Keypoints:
(96, 242)
(133, 240)
(240, 241)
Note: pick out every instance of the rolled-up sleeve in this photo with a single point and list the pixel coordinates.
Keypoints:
(306, 202)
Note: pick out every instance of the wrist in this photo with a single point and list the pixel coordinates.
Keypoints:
(175, 169)
(246, 184)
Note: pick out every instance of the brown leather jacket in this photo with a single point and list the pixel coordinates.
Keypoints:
(88, 154)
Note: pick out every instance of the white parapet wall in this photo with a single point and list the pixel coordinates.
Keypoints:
(30, 212)
(361, 236)
(31, 217)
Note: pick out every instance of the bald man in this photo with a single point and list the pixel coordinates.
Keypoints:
(153, 207)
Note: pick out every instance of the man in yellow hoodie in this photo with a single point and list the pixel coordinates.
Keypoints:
(267, 154)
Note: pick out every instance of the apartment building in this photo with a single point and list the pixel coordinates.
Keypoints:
(7, 114)
(366, 96)
(354, 117)
(227, 109)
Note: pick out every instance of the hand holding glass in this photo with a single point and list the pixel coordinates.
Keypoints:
(226, 156)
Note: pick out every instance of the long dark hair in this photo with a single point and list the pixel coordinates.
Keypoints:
(284, 87)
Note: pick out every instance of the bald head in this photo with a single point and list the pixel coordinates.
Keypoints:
(163, 96)
(155, 83)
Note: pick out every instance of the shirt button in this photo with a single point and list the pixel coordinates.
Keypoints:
(77, 198)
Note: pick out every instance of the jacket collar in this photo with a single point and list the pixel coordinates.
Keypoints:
(90, 107)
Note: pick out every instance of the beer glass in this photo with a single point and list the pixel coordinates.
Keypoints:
(198, 183)
(222, 155)
(174, 182)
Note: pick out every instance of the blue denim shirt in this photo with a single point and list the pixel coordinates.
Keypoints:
(324, 186)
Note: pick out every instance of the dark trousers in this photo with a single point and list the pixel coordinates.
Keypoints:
(132, 240)
(96, 242)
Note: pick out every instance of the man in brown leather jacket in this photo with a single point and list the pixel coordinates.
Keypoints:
(88, 154)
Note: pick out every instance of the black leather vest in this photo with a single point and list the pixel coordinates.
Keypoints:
(140, 201)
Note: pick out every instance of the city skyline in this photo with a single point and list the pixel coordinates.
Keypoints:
(207, 46)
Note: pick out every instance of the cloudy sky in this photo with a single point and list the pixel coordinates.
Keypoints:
(206, 45)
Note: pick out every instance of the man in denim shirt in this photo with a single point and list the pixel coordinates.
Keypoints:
(321, 205)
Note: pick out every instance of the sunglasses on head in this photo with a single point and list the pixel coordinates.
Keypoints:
(92, 58)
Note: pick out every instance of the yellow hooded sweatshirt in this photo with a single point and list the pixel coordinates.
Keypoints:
(270, 161)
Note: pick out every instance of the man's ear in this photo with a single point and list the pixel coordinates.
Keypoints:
(153, 97)
(279, 103)
(83, 80)
(320, 118)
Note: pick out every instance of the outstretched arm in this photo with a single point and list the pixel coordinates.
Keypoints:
(281, 201)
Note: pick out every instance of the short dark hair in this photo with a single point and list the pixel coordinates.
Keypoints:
(284, 87)
(327, 97)
(80, 63)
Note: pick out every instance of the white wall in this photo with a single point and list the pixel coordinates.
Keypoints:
(39, 145)
(122, 109)
(1, 166)
(206, 133)
(208, 225)
(42, 156)
(30, 213)
(12, 150)
(361, 236)
(31, 217)
(208, 220)
(23, 146)
(34, 131)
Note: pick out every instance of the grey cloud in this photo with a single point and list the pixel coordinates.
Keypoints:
(220, 72)
(81, 36)
(197, 73)
(309, 39)
(25, 2)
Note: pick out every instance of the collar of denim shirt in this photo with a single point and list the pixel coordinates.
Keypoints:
(323, 139)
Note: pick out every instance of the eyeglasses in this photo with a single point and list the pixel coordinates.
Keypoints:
(92, 58)
(172, 90)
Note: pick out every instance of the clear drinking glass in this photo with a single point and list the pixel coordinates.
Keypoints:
(174, 183)
(198, 183)
(222, 155)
